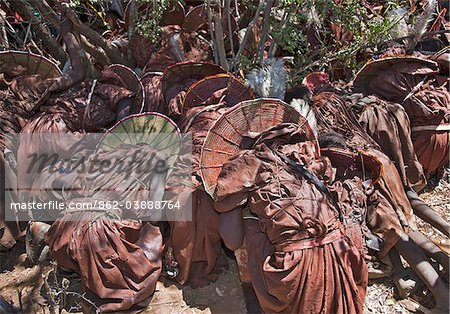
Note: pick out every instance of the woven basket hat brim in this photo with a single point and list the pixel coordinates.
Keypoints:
(180, 76)
(27, 63)
(361, 160)
(150, 128)
(199, 92)
(225, 137)
(410, 65)
(174, 15)
(131, 81)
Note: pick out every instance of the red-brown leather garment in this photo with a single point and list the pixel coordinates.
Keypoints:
(299, 257)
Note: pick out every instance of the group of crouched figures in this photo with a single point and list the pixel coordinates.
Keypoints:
(307, 192)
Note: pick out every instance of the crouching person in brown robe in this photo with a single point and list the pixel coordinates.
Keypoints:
(115, 246)
(299, 256)
(196, 243)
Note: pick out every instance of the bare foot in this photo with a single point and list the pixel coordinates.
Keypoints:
(35, 245)
(406, 282)
(378, 269)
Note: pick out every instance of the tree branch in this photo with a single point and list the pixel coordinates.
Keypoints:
(78, 71)
(230, 29)
(219, 39)
(247, 34)
(275, 43)
(41, 32)
(265, 29)
(211, 31)
(3, 37)
(46, 11)
(98, 54)
(112, 52)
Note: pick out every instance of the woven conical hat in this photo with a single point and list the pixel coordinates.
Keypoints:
(174, 15)
(150, 128)
(407, 65)
(17, 63)
(360, 160)
(180, 76)
(199, 92)
(131, 81)
(225, 137)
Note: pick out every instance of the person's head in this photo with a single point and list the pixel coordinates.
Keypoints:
(332, 139)
(298, 92)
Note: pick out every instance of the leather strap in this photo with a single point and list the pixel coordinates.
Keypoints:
(310, 242)
(312, 178)
(442, 127)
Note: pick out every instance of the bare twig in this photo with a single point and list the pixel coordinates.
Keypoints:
(46, 11)
(41, 32)
(131, 25)
(236, 4)
(230, 29)
(3, 37)
(113, 53)
(48, 294)
(211, 31)
(133, 15)
(13, 33)
(59, 292)
(26, 35)
(81, 296)
(275, 43)
(247, 34)
(163, 303)
(219, 38)
(265, 29)
(36, 47)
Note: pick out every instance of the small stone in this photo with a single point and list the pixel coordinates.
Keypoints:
(220, 292)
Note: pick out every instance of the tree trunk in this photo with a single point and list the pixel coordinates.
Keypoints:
(94, 39)
(112, 52)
